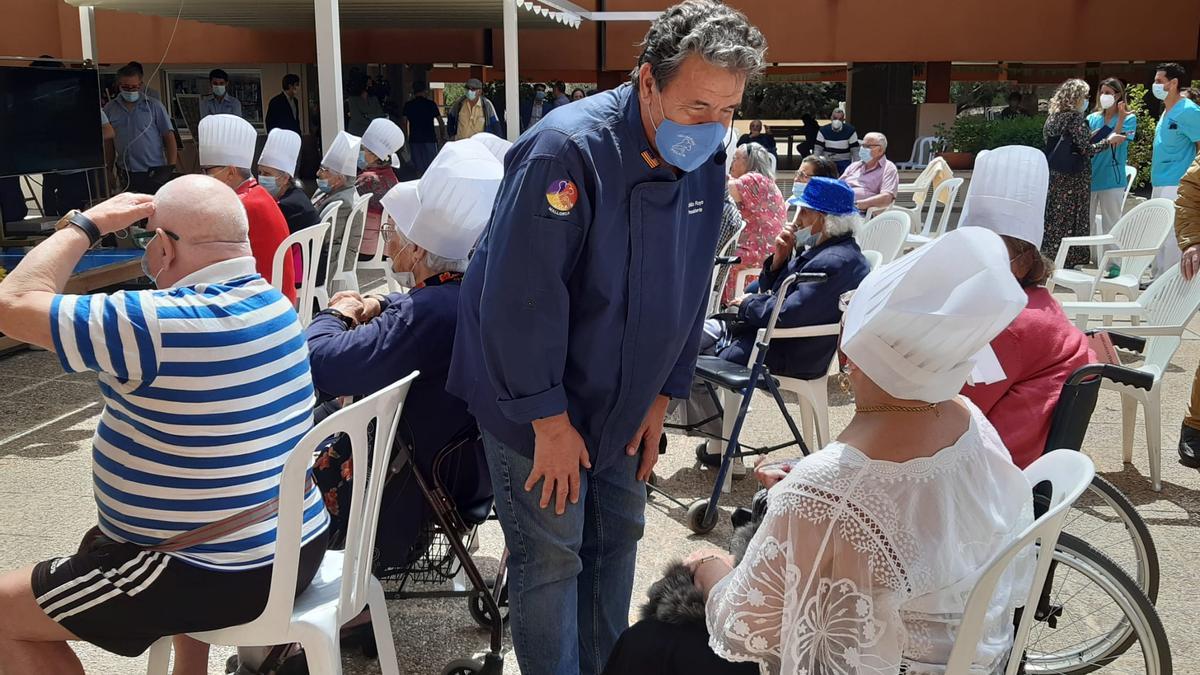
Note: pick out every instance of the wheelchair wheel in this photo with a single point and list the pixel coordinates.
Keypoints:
(695, 517)
(1105, 518)
(463, 667)
(1100, 618)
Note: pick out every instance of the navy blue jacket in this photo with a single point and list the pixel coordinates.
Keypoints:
(587, 291)
(416, 332)
(807, 304)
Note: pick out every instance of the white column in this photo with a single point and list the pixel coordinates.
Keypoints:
(329, 70)
(512, 78)
(87, 32)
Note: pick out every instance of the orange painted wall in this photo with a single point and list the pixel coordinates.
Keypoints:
(551, 51)
(805, 31)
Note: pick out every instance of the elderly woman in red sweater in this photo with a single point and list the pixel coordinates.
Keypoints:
(1041, 347)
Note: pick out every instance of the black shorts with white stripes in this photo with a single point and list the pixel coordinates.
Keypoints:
(123, 598)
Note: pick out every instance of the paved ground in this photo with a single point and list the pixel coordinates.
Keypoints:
(48, 419)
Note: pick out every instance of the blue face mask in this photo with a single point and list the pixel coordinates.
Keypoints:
(269, 183)
(323, 185)
(146, 265)
(864, 153)
(131, 96)
(362, 160)
(798, 188)
(539, 95)
(687, 146)
(1160, 91)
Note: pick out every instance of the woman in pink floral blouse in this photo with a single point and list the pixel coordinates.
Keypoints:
(752, 187)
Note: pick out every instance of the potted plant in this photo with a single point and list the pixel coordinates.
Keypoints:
(961, 141)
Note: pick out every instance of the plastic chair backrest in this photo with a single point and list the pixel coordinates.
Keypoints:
(1069, 473)
(358, 214)
(329, 214)
(373, 450)
(944, 196)
(874, 258)
(1130, 176)
(884, 233)
(925, 150)
(309, 242)
(1146, 226)
(384, 407)
(721, 272)
(1169, 302)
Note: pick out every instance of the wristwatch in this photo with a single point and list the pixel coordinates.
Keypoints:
(78, 219)
(348, 322)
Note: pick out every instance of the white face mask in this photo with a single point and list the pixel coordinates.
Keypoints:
(405, 279)
(1107, 101)
(836, 124)
(1160, 91)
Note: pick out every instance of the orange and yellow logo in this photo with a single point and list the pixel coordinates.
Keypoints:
(562, 195)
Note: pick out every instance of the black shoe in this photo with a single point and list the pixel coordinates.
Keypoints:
(706, 458)
(1189, 447)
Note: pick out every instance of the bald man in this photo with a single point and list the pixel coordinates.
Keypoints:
(206, 389)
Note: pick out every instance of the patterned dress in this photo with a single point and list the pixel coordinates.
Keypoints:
(764, 211)
(1068, 204)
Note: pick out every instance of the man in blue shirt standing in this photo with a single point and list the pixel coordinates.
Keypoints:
(1176, 142)
(580, 318)
(145, 141)
(220, 102)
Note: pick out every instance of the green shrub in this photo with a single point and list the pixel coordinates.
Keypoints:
(1142, 147)
(967, 134)
(1017, 131)
(974, 134)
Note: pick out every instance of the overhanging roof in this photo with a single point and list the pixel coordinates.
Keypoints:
(354, 14)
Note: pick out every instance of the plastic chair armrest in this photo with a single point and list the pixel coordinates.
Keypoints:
(1060, 260)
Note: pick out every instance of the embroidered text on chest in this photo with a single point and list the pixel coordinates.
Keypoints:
(695, 207)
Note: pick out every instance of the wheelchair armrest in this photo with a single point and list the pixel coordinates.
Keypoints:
(824, 330)
(725, 316)
(1128, 376)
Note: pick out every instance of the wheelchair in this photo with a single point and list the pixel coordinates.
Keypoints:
(716, 373)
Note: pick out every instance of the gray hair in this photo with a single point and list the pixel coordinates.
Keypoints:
(718, 33)
(875, 135)
(437, 264)
(758, 160)
(837, 226)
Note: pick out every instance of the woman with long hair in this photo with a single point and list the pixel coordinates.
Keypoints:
(1070, 145)
(1108, 166)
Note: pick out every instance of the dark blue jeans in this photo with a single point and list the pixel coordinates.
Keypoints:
(570, 576)
(422, 155)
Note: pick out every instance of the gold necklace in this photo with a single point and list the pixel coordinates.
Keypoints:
(932, 407)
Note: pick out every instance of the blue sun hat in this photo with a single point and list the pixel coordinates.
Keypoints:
(827, 195)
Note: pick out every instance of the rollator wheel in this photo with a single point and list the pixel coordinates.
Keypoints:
(463, 667)
(481, 613)
(695, 517)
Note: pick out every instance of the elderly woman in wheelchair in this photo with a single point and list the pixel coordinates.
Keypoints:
(869, 548)
(827, 210)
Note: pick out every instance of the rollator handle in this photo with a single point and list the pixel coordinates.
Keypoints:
(727, 260)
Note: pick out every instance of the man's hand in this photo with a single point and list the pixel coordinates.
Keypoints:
(372, 308)
(558, 452)
(785, 243)
(350, 304)
(120, 212)
(770, 473)
(647, 437)
(1191, 262)
(737, 302)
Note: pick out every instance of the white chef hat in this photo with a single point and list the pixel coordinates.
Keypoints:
(342, 156)
(919, 325)
(446, 210)
(384, 139)
(226, 140)
(281, 151)
(1008, 193)
(498, 146)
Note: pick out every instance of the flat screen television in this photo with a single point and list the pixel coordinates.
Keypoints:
(49, 120)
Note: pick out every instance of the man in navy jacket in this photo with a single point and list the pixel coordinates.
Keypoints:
(580, 317)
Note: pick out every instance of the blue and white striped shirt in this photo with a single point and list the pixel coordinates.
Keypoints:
(207, 390)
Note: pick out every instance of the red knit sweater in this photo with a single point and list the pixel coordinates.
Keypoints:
(1038, 351)
(268, 229)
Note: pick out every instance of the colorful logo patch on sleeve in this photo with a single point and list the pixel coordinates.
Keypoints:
(562, 195)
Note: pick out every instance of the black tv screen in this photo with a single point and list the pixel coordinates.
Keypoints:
(49, 120)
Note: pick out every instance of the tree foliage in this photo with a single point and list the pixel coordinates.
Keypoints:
(790, 100)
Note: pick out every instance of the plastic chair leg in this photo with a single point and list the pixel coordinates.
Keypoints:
(1128, 419)
(322, 651)
(821, 416)
(1154, 437)
(159, 662)
(806, 422)
(382, 626)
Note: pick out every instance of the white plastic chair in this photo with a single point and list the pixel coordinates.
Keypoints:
(1137, 236)
(377, 261)
(949, 189)
(346, 277)
(874, 259)
(1069, 473)
(884, 234)
(343, 585)
(721, 272)
(309, 241)
(1164, 310)
(329, 217)
(921, 152)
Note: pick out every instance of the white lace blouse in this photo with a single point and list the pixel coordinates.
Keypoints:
(864, 566)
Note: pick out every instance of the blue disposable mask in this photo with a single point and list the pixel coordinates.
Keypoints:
(1160, 91)
(131, 96)
(269, 183)
(472, 94)
(687, 146)
(362, 161)
(540, 95)
(1083, 106)
(324, 186)
(864, 154)
(798, 189)
(146, 265)
(218, 90)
